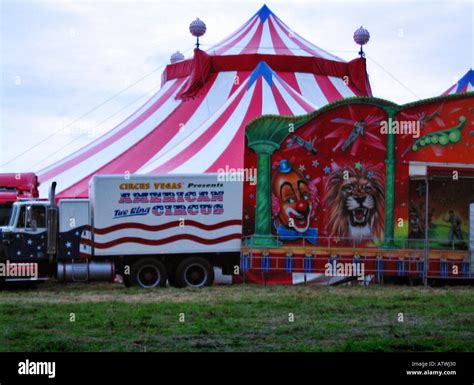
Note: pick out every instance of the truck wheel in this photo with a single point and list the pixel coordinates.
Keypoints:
(194, 272)
(148, 273)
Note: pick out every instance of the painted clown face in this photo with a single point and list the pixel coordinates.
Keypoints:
(293, 195)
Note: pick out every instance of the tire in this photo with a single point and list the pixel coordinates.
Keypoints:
(148, 273)
(195, 272)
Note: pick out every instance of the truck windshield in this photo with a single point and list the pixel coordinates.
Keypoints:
(38, 214)
(13, 215)
(5, 211)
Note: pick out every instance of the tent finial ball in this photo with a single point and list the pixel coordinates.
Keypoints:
(361, 37)
(197, 29)
(176, 57)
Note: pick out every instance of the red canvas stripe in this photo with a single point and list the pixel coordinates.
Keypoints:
(57, 163)
(355, 90)
(233, 155)
(242, 77)
(295, 95)
(283, 108)
(139, 153)
(225, 41)
(449, 90)
(163, 241)
(254, 43)
(278, 45)
(236, 40)
(297, 41)
(290, 79)
(132, 125)
(200, 142)
(330, 92)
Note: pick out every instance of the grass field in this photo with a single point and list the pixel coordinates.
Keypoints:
(109, 317)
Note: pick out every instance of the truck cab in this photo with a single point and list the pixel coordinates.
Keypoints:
(27, 222)
(24, 238)
(52, 237)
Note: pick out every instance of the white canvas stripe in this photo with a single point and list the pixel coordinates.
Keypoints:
(214, 99)
(266, 44)
(341, 87)
(236, 49)
(204, 158)
(230, 38)
(284, 36)
(269, 105)
(112, 132)
(470, 87)
(319, 51)
(310, 89)
(187, 141)
(295, 108)
(74, 174)
(310, 45)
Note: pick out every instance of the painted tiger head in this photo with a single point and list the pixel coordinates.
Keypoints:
(354, 201)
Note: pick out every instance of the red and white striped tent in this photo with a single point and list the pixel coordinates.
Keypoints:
(196, 121)
(465, 84)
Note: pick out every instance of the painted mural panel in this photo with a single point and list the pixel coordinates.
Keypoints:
(442, 134)
(328, 179)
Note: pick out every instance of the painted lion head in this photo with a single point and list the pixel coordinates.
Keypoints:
(354, 201)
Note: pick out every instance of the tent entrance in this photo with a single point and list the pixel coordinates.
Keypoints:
(439, 202)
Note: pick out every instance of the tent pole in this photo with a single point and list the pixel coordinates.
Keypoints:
(426, 251)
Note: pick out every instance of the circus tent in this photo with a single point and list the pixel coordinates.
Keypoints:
(195, 123)
(465, 84)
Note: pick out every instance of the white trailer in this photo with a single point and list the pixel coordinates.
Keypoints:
(149, 228)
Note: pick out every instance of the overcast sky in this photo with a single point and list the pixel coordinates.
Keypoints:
(61, 59)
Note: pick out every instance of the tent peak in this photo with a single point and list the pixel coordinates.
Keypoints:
(465, 84)
(263, 70)
(264, 12)
(266, 34)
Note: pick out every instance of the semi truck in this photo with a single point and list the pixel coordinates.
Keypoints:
(152, 230)
(15, 186)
